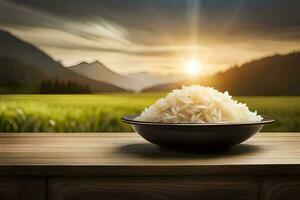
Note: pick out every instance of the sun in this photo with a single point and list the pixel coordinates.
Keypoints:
(193, 67)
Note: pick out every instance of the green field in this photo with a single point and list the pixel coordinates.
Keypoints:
(101, 113)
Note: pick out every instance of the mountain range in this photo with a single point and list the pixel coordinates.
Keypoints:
(272, 75)
(24, 68)
(99, 72)
(132, 81)
(16, 53)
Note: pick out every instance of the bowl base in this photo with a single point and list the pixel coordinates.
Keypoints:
(194, 149)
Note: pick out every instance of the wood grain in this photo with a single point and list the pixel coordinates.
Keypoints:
(280, 188)
(125, 153)
(10, 189)
(33, 188)
(152, 188)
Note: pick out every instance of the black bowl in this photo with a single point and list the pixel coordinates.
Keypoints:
(205, 136)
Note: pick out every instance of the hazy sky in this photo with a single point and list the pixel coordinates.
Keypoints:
(155, 35)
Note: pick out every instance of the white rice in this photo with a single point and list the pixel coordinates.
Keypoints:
(198, 104)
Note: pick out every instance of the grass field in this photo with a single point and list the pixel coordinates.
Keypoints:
(101, 113)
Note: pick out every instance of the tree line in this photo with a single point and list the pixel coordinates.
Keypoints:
(62, 87)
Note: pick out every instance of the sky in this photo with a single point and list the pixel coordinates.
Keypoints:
(155, 35)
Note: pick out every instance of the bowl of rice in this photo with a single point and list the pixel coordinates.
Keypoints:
(197, 117)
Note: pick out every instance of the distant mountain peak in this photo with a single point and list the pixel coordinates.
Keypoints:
(83, 63)
(100, 72)
(134, 81)
(97, 62)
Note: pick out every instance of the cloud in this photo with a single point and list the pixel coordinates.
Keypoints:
(25, 17)
(163, 22)
(156, 22)
(155, 32)
(140, 52)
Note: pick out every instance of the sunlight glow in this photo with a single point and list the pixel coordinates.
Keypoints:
(193, 67)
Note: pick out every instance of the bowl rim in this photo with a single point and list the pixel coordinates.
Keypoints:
(130, 120)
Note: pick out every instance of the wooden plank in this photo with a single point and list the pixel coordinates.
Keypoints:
(221, 188)
(123, 153)
(33, 188)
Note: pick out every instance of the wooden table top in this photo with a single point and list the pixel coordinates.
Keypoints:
(92, 154)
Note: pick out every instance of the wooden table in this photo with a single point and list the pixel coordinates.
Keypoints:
(124, 166)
